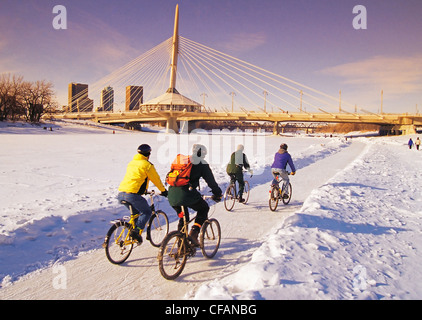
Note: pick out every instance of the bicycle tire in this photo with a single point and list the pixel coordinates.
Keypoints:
(289, 192)
(158, 228)
(210, 237)
(172, 255)
(229, 197)
(246, 192)
(274, 197)
(116, 250)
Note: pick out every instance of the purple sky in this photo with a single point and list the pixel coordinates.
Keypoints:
(310, 41)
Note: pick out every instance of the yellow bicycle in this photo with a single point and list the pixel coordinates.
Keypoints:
(118, 243)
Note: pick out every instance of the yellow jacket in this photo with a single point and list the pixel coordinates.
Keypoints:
(139, 171)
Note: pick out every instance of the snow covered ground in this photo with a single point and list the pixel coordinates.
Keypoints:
(352, 230)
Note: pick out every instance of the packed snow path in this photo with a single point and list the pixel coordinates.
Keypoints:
(244, 230)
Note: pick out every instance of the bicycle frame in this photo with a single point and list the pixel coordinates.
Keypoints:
(279, 179)
(132, 219)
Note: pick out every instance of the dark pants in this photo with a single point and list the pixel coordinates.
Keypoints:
(239, 177)
(201, 207)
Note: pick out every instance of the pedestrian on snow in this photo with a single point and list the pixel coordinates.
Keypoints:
(410, 143)
(417, 143)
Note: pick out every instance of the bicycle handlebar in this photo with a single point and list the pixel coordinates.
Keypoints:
(152, 192)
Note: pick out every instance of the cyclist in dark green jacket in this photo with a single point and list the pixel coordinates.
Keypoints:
(238, 161)
(189, 197)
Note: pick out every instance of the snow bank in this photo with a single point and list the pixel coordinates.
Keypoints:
(356, 237)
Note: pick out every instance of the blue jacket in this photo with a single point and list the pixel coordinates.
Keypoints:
(281, 159)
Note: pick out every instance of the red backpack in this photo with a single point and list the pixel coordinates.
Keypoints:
(179, 173)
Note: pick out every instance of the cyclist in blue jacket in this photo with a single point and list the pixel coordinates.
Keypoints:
(281, 159)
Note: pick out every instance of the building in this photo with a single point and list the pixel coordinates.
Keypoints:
(84, 105)
(78, 98)
(107, 99)
(134, 97)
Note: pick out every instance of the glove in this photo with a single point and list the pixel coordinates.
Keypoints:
(181, 214)
(164, 193)
(250, 172)
(293, 173)
(216, 198)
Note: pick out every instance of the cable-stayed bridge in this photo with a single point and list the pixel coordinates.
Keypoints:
(218, 87)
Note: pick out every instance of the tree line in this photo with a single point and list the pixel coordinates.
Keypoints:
(25, 100)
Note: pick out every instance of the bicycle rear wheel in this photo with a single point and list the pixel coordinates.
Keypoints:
(210, 237)
(274, 197)
(172, 255)
(230, 197)
(118, 245)
(246, 192)
(289, 194)
(158, 228)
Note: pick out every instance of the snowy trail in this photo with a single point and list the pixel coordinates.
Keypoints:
(91, 276)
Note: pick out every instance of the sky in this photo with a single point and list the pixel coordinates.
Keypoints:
(313, 42)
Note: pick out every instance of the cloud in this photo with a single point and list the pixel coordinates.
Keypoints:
(396, 75)
(242, 42)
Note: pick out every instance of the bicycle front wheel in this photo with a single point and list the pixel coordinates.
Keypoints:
(210, 237)
(288, 192)
(172, 255)
(158, 228)
(118, 244)
(274, 197)
(230, 198)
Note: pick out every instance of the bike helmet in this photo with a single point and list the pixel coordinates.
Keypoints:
(283, 146)
(145, 150)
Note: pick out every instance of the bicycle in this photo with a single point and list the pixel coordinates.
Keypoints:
(118, 243)
(176, 247)
(231, 195)
(276, 193)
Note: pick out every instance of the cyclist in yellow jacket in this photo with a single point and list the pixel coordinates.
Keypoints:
(135, 183)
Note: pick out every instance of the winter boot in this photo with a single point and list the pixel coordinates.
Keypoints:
(136, 234)
(193, 234)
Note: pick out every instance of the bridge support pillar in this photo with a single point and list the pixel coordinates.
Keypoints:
(187, 126)
(408, 129)
(276, 129)
(171, 125)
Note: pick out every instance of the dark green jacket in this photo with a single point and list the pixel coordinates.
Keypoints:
(188, 195)
(238, 160)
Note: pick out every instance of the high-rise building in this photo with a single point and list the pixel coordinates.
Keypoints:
(85, 105)
(134, 97)
(107, 99)
(77, 94)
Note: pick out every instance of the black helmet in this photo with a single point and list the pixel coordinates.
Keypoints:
(283, 146)
(144, 149)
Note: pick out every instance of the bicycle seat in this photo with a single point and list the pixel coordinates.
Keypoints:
(128, 205)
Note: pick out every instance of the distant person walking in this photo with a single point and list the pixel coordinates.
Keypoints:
(417, 143)
(410, 143)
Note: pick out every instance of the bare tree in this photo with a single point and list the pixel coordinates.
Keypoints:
(38, 98)
(26, 99)
(11, 103)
